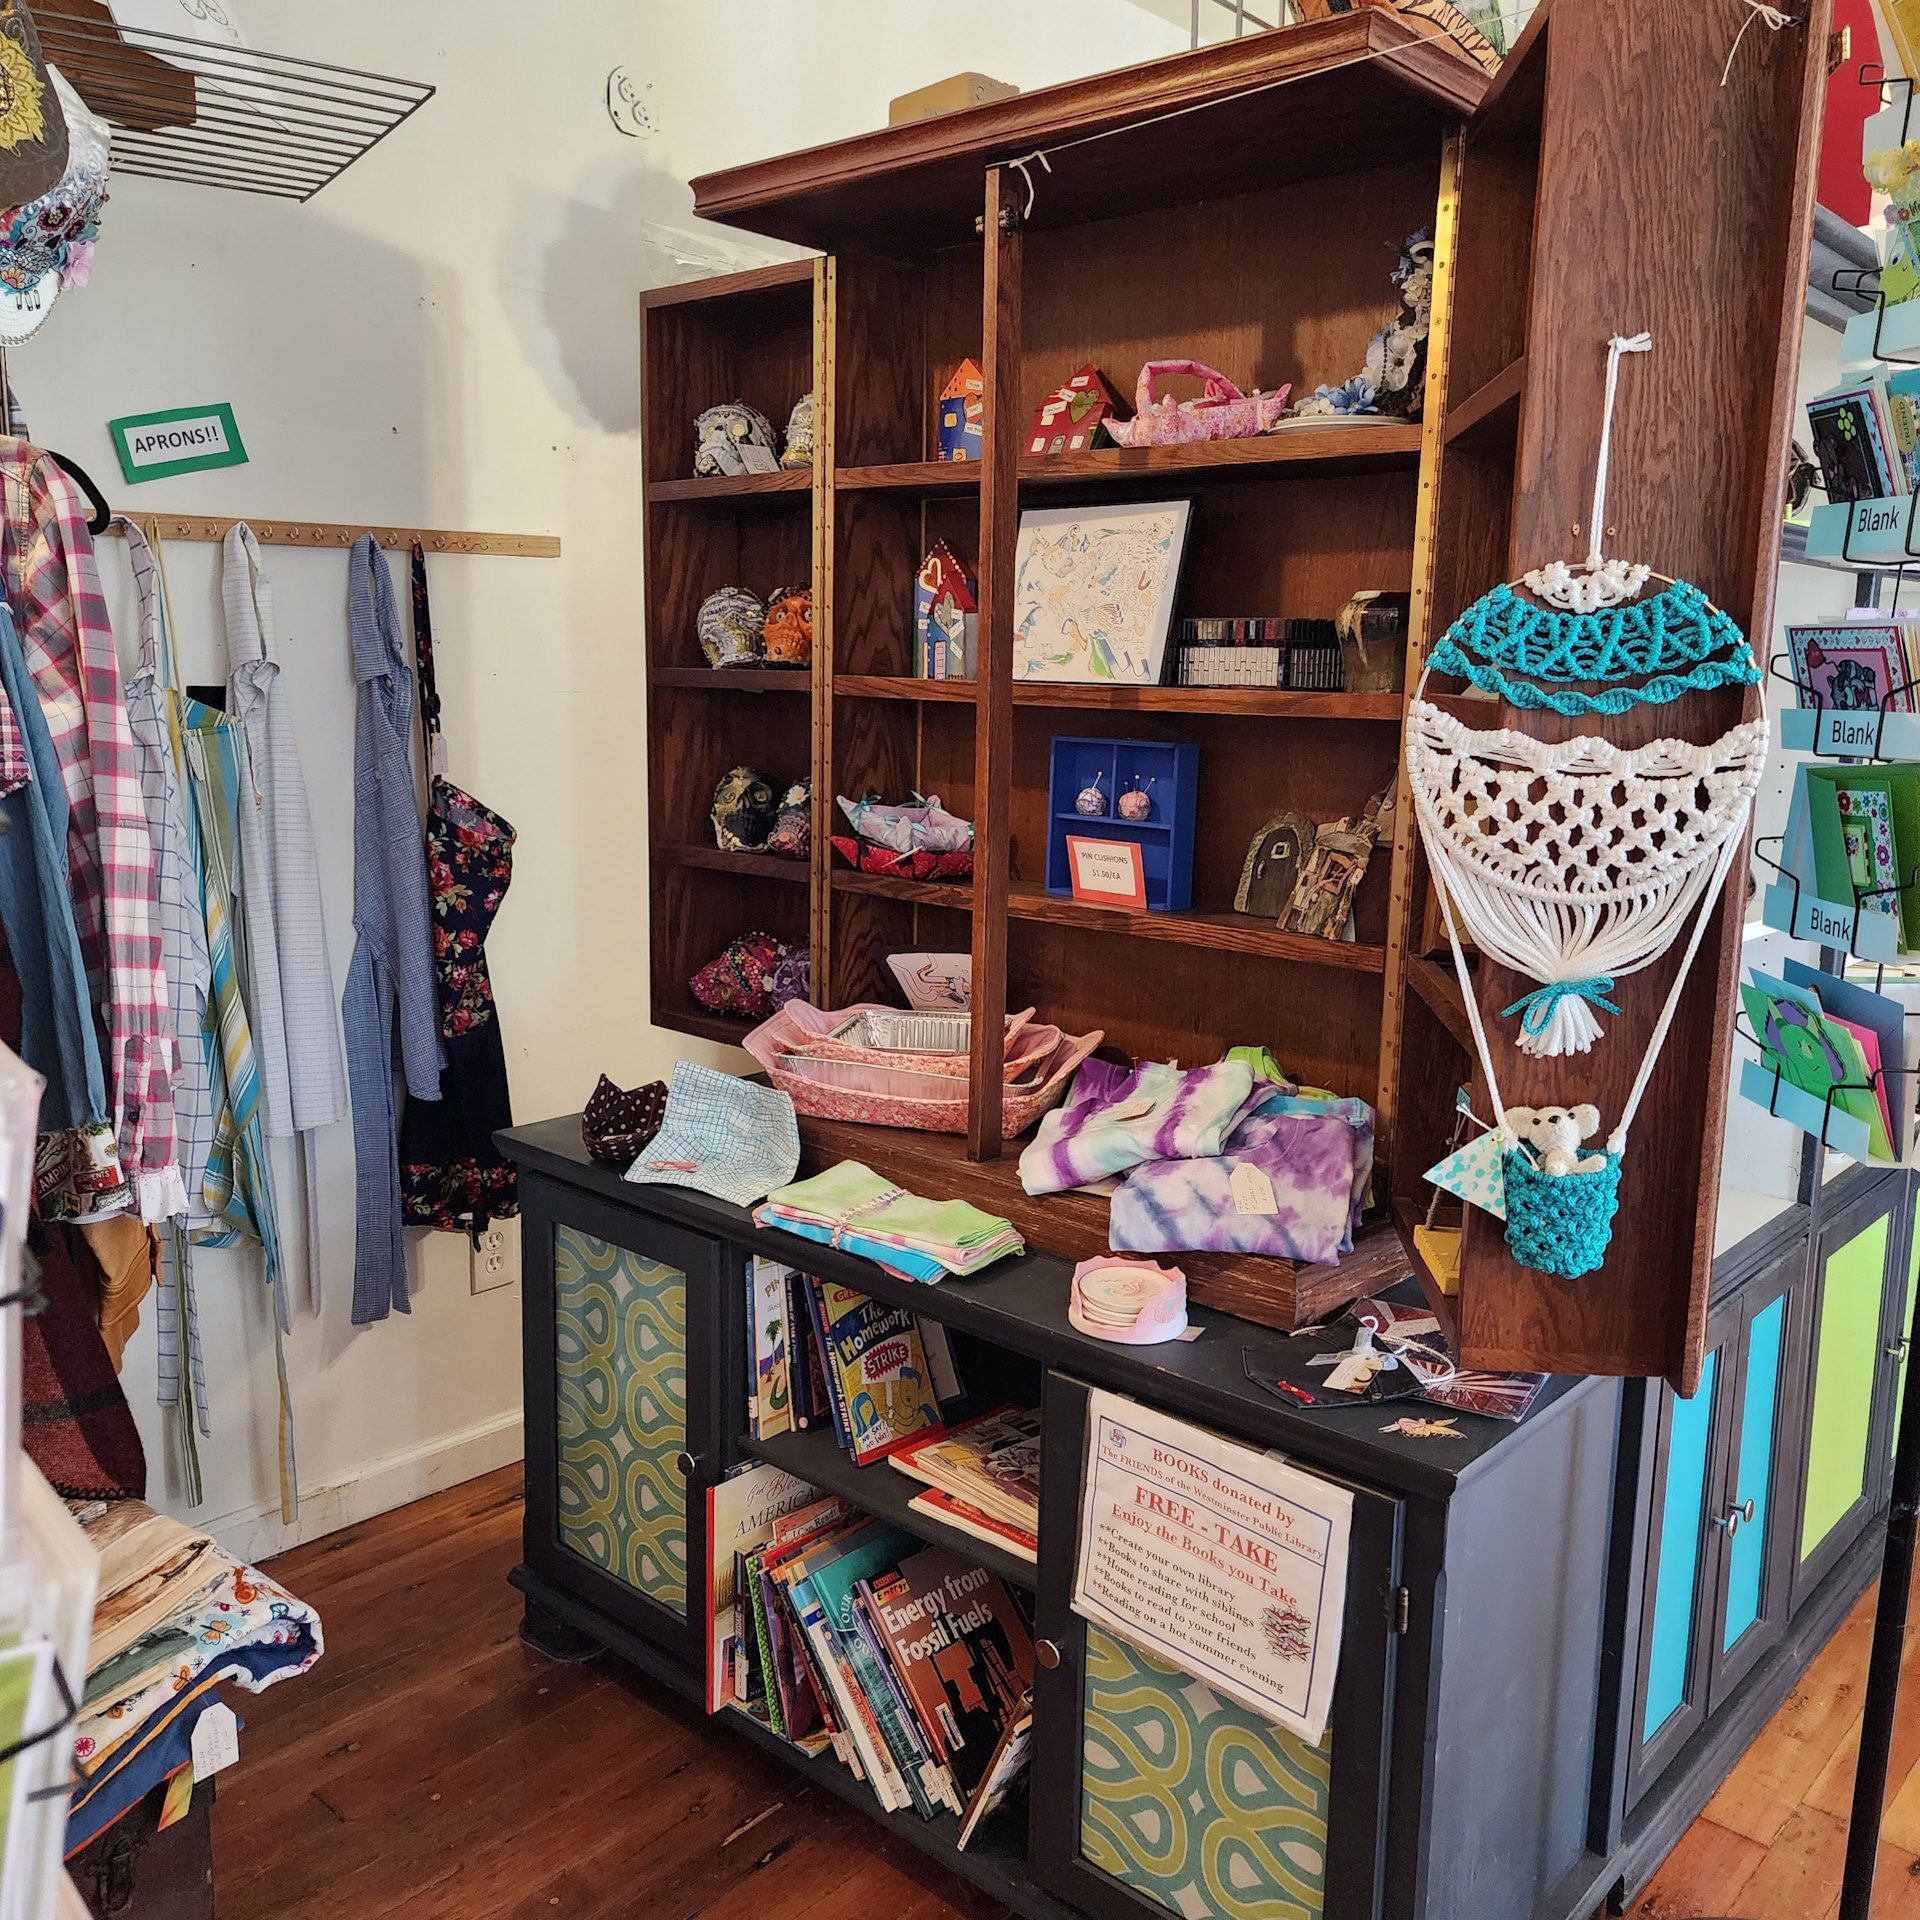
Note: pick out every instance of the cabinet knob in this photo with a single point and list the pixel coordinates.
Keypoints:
(1898, 1350)
(686, 1465)
(1047, 1653)
(1735, 1518)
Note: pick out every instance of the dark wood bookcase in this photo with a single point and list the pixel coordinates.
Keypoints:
(1240, 205)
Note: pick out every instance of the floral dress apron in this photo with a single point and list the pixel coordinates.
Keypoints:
(452, 1176)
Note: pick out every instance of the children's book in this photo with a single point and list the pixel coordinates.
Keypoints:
(1004, 1772)
(742, 1511)
(983, 1526)
(1853, 443)
(876, 1371)
(770, 1407)
(961, 1648)
(991, 1464)
(1854, 666)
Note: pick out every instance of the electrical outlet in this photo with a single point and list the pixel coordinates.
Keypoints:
(496, 1260)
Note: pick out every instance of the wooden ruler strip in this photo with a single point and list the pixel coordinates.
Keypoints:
(323, 533)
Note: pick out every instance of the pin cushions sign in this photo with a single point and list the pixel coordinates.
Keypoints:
(153, 446)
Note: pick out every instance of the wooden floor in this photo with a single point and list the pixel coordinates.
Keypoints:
(433, 1767)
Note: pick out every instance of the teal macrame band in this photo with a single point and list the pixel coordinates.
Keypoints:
(1536, 1008)
(1447, 658)
(1560, 1224)
(1675, 641)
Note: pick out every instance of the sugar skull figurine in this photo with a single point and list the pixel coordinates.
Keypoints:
(744, 812)
(731, 628)
(799, 448)
(789, 627)
(733, 439)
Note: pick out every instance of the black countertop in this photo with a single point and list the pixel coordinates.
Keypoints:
(1022, 1305)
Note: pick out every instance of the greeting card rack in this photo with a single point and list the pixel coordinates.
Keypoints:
(1241, 205)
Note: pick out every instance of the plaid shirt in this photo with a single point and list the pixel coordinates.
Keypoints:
(53, 586)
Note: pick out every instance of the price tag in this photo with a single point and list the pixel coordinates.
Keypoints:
(1252, 1190)
(216, 1741)
(1137, 1108)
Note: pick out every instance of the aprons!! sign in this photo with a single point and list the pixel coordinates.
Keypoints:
(183, 440)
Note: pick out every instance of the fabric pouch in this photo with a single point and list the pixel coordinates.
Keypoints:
(1157, 1112)
(1289, 1185)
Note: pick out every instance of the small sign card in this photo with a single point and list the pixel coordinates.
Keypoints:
(1227, 1563)
(1106, 873)
(155, 446)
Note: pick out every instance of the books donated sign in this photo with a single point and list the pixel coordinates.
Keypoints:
(153, 446)
(1221, 1561)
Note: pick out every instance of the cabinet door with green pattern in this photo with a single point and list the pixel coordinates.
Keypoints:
(1850, 1382)
(624, 1338)
(1155, 1795)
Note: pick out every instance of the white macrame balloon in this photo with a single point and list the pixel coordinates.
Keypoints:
(1576, 862)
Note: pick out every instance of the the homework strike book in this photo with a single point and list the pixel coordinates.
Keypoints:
(961, 1650)
(876, 1371)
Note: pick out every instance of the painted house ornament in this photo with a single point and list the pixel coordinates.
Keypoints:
(962, 413)
(1069, 419)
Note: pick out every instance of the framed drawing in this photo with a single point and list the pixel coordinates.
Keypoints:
(1093, 591)
(1107, 873)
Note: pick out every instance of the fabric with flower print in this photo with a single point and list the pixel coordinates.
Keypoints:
(452, 1176)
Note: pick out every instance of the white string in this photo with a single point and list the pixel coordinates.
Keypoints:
(1633, 343)
(1021, 168)
(1773, 18)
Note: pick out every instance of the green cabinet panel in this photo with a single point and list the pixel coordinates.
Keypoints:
(1846, 1362)
(1188, 1798)
(1906, 1337)
(620, 1407)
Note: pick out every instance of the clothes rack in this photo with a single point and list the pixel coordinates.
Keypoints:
(325, 533)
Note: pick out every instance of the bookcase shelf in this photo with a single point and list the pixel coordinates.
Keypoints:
(731, 488)
(759, 866)
(1276, 703)
(956, 894)
(1493, 408)
(725, 680)
(885, 1492)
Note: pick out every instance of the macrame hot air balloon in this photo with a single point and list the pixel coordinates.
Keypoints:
(1580, 863)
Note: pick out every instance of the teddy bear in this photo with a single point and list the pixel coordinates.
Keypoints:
(1555, 1134)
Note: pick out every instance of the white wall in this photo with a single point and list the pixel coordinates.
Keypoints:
(448, 337)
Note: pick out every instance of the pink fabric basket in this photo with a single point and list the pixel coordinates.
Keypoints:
(905, 1089)
(1222, 412)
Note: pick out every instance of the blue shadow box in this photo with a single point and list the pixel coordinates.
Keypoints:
(1169, 773)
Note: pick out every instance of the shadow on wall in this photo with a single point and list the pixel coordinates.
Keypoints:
(580, 313)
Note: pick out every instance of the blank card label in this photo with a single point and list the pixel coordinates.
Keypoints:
(153, 446)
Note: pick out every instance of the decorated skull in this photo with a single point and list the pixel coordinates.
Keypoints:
(733, 439)
(744, 811)
(731, 628)
(799, 448)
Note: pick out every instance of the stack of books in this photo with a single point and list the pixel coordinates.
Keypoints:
(983, 1477)
(844, 1635)
(822, 1353)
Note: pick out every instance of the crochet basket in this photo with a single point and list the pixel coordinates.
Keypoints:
(1562, 1223)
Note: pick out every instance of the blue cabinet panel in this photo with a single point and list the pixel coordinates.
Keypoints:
(1690, 1450)
(1753, 1475)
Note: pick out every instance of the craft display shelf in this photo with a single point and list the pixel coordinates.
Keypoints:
(1254, 194)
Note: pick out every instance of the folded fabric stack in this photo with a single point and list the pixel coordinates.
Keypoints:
(1215, 1159)
(851, 1207)
(175, 1618)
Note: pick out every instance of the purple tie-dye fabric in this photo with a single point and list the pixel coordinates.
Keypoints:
(1318, 1154)
(1156, 1112)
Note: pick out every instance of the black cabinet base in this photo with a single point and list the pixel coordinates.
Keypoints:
(546, 1633)
(995, 1861)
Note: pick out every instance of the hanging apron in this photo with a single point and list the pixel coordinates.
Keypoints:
(452, 1176)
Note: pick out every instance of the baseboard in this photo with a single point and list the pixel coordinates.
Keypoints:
(394, 1480)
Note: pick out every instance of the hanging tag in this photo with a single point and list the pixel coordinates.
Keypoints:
(1476, 1175)
(216, 1741)
(439, 756)
(1252, 1190)
(1137, 1108)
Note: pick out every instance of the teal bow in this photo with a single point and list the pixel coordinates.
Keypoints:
(1537, 1007)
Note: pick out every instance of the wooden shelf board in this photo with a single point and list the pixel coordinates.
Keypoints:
(1251, 702)
(1408, 1215)
(1495, 405)
(731, 486)
(1332, 449)
(702, 1025)
(1074, 1226)
(957, 895)
(1362, 88)
(732, 679)
(1335, 449)
(883, 1491)
(1434, 982)
(1220, 932)
(897, 686)
(756, 866)
(749, 284)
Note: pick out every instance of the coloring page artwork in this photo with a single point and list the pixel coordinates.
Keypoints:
(1093, 592)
